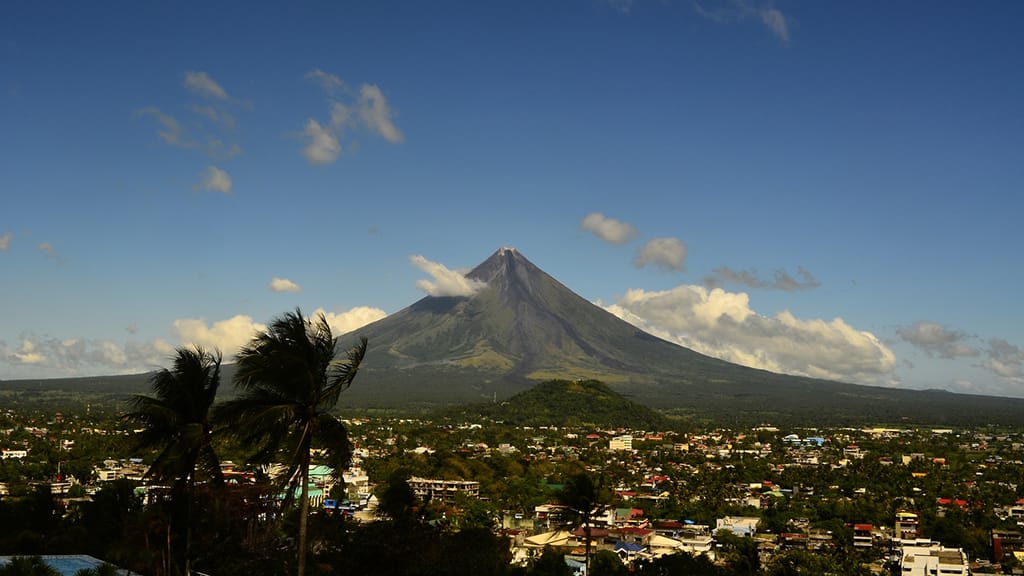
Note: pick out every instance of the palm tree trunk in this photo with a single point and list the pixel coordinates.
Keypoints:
(190, 491)
(303, 514)
(586, 546)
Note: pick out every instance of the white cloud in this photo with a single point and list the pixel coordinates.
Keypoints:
(666, 253)
(323, 147)
(28, 353)
(201, 83)
(351, 319)
(77, 357)
(377, 115)
(776, 22)
(608, 229)
(445, 282)
(215, 180)
(172, 132)
(226, 335)
(1005, 360)
(49, 250)
(5, 242)
(782, 280)
(722, 324)
(348, 115)
(284, 285)
(214, 115)
(331, 83)
(937, 340)
(729, 11)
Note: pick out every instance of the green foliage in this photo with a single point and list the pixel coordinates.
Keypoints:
(567, 403)
(27, 566)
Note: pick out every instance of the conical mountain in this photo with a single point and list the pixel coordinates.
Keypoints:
(521, 326)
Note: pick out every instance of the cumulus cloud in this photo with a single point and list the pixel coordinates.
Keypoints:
(5, 242)
(608, 229)
(215, 180)
(722, 324)
(1005, 360)
(34, 356)
(200, 83)
(77, 356)
(782, 280)
(352, 319)
(284, 285)
(28, 353)
(226, 335)
(323, 146)
(349, 112)
(444, 282)
(937, 340)
(665, 253)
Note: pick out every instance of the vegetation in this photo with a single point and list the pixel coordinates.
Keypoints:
(566, 403)
(178, 420)
(290, 382)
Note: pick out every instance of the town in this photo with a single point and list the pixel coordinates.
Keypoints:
(763, 500)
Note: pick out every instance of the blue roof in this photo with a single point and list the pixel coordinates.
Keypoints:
(627, 546)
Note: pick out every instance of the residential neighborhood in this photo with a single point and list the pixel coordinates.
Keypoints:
(912, 500)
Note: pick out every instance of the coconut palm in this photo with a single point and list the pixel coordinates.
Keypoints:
(177, 421)
(290, 379)
(583, 498)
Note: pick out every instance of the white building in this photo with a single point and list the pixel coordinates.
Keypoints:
(933, 559)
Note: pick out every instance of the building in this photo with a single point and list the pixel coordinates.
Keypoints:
(932, 559)
(738, 525)
(908, 526)
(1005, 543)
(620, 443)
(427, 489)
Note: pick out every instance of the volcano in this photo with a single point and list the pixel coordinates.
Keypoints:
(522, 327)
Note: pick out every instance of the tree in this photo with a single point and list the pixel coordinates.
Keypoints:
(177, 420)
(582, 496)
(27, 566)
(289, 380)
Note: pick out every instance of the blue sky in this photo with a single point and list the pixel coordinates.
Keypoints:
(829, 189)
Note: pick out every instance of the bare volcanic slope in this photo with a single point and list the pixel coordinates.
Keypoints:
(520, 327)
(523, 326)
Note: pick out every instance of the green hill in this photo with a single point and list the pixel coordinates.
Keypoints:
(566, 403)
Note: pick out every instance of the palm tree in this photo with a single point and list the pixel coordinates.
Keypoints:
(583, 498)
(290, 380)
(177, 420)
